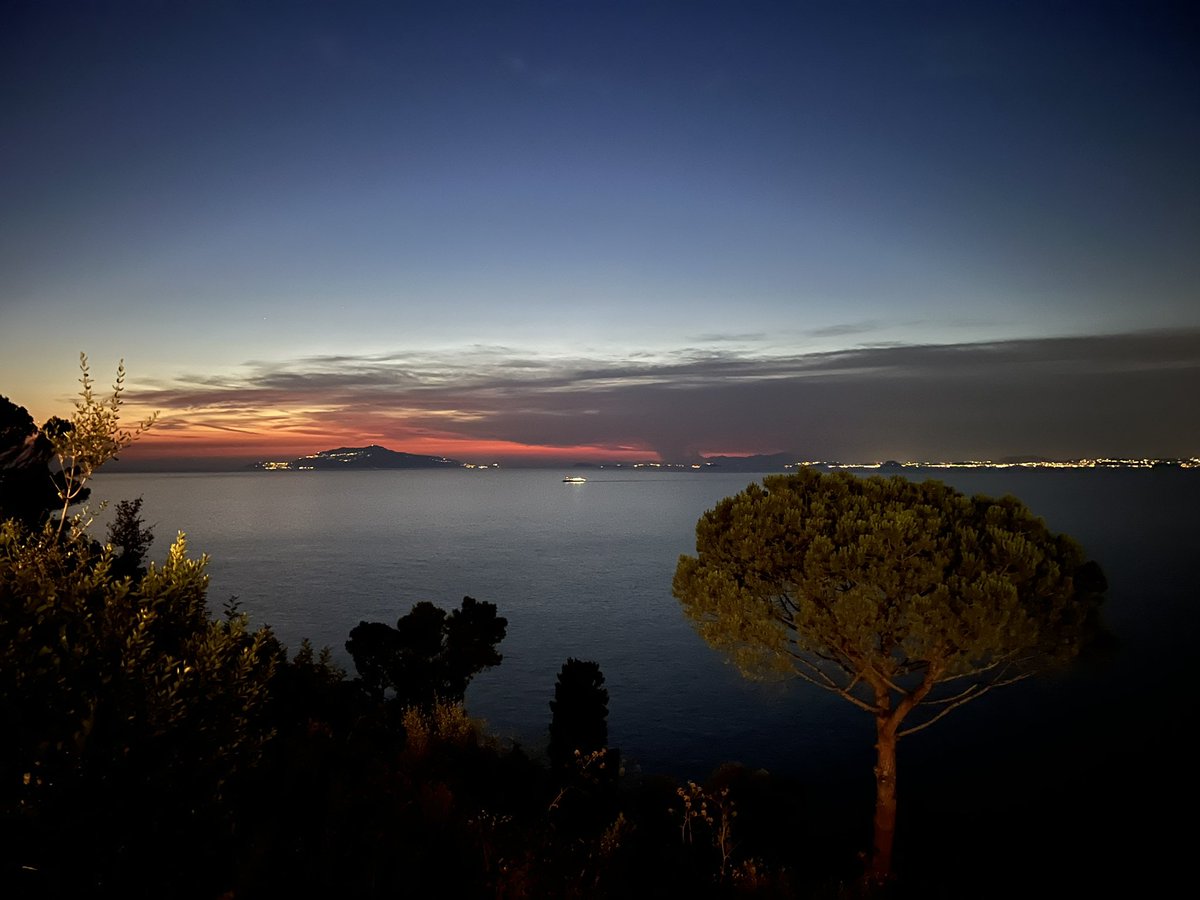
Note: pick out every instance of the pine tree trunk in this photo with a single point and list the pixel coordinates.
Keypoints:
(885, 799)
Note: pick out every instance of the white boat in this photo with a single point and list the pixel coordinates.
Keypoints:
(575, 479)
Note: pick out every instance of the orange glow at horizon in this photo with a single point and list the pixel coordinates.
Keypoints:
(191, 441)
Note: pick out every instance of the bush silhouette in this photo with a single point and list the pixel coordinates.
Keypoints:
(429, 656)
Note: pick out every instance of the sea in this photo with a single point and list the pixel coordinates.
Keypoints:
(1088, 757)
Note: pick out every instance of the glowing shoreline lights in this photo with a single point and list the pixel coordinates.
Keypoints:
(1098, 463)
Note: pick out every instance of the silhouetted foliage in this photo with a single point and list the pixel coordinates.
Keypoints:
(126, 711)
(579, 710)
(374, 646)
(127, 532)
(47, 469)
(428, 656)
(907, 600)
(27, 489)
(582, 764)
(93, 437)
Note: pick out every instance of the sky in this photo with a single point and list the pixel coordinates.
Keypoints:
(555, 232)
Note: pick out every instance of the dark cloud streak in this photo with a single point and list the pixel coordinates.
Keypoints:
(1127, 394)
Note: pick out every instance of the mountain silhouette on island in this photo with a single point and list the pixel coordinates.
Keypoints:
(372, 457)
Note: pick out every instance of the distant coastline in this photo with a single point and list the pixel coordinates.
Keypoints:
(332, 460)
(377, 457)
(371, 457)
(1033, 463)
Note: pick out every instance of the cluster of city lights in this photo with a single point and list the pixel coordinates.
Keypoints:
(1102, 462)
(655, 465)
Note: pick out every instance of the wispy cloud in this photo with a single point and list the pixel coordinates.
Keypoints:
(1052, 396)
(844, 329)
(746, 337)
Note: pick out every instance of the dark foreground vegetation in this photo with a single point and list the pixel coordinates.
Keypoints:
(153, 749)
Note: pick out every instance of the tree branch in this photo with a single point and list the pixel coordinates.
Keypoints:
(841, 692)
(970, 689)
(965, 699)
(1000, 661)
(816, 669)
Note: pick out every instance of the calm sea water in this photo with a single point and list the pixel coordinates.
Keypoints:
(585, 571)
